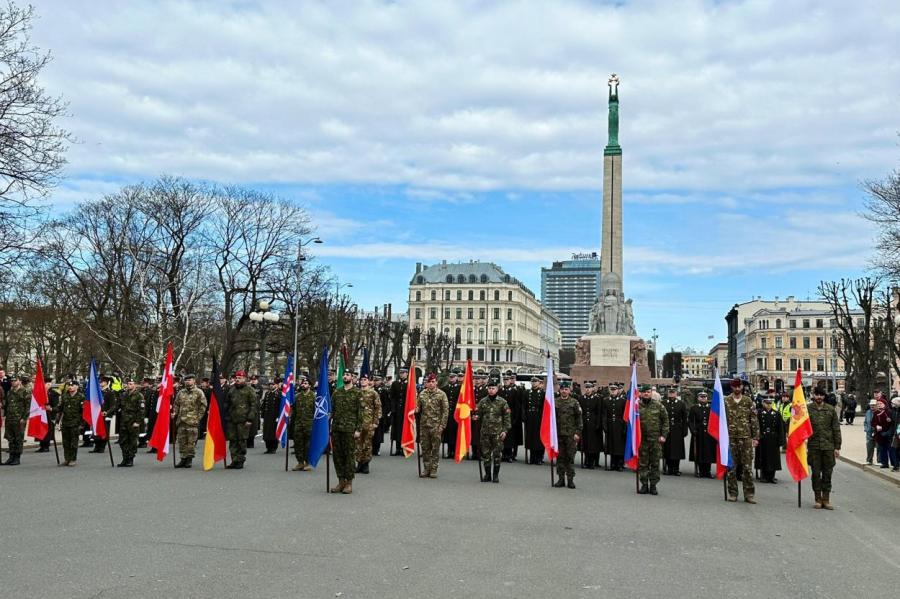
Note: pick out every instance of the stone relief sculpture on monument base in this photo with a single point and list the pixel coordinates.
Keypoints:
(583, 352)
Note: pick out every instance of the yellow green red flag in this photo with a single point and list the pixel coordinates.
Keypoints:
(799, 431)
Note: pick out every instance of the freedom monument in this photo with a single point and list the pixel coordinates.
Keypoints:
(606, 352)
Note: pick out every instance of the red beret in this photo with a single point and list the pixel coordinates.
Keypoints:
(240, 373)
(431, 377)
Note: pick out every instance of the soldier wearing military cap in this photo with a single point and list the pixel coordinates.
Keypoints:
(771, 436)
(108, 410)
(612, 420)
(16, 406)
(532, 412)
(243, 411)
(431, 410)
(451, 390)
(703, 446)
(673, 449)
(654, 430)
(512, 393)
(68, 416)
(188, 408)
(131, 417)
(301, 421)
(743, 436)
(480, 389)
(591, 429)
(398, 402)
(569, 424)
(493, 415)
(269, 409)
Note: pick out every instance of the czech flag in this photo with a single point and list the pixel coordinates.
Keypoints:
(463, 415)
(799, 430)
(37, 415)
(632, 417)
(548, 419)
(92, 408)
(214, 445)
(718, 429)
(408, 438)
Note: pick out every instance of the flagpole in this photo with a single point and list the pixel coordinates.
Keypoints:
(328, 466)
(55, 447)
(419, 457)
(172, 436)
(287, 445)
(112, 461)
(550, 461)
(298, 269)
(637, 481)
(799, 501)
(725, 483)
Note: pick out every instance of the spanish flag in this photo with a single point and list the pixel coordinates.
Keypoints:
(214, 445)
(463, 415)
(799, 431)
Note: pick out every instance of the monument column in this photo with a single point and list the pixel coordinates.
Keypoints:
(611, 246)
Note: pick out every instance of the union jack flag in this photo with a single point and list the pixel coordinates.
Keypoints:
(287, 402)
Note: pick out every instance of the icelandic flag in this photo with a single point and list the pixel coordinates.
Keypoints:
(632, 419)
(718, 429)
(287, 403)
(549, 437)
(318, 440)
(92, 408)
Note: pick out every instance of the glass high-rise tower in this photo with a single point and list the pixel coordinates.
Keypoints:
(570, 288)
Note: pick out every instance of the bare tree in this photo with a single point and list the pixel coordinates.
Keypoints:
(883, 209)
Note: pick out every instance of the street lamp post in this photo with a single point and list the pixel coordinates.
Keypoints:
(265, 317)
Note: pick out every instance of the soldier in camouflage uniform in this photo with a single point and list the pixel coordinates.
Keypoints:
(823, 446)
(242, 413)
(654, 430)
(432, 407)
(16, 407)
(189, 407)
(493, 414)
(743, 435)
(131, 416)
(346, 425)
(301, 423)
(70, 407)
(371, 415)
(568, 432)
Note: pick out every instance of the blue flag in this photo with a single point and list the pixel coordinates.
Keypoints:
(287, 403)
(318, 440)
(364, 370)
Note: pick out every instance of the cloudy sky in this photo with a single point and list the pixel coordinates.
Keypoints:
(475, 130)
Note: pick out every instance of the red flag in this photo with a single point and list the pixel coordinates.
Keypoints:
(408, 439)
(463, 415)
(799, 431)
(160, 439)
(37, 415)
(214, 446)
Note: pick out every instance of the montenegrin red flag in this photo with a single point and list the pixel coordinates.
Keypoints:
(408, 439)
(161, 430)
(799, 430)
(37, 415)
(463, 415)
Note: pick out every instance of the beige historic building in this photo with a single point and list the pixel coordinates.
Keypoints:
(695, 366)
(496, 320)
(719, 355)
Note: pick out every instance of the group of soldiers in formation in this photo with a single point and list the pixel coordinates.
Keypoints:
(507, 418)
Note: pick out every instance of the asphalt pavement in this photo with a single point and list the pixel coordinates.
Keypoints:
(152, 531)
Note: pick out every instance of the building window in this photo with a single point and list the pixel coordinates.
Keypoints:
(759, 363)
(820, 364)
(509, 314)
(432, 313)
(471, 295)
(792, 323)
(806, 343)
(496, 313)
(456, 353)
(833, 322)
(480, 335)
(777, 323)
(510, 296)
(459, 295)
(459, 314)
(496, 295)
(420, 280)
(469, 336)
(820, 343)
(458, 336)
(468, 354)
(447, 296)
(433, 295)
(449, 278)
(820, 323)
(806, 364)
(471, 313)
(418, 313)
(833, 364)
(496, 335)
(834, 343)
(484, 278)
(481, 295)
(805, 323)
(418, 296)
(473, 279)
(446, 313)
(792, 342)
(762, 343)
(778, 343)
(460, 279)
(778, 364)
(481, 355)
(793, 364)
(509, 335)
(481, 313)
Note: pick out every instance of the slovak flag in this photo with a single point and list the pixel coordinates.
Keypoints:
(718, 429)
(632, 419)
(37, 415)
(287, 403)
(548, 419)
(92, 408)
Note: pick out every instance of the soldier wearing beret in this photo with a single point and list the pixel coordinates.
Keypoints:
(654, 430)
(743, 435)
(431, 409)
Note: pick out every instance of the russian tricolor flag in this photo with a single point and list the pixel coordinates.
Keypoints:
(718, 429)
(632, 419)
(92, 408)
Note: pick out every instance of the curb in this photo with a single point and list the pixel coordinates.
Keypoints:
(873, 471)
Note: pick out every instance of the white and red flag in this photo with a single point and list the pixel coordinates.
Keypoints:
(161, 437)
(548, 418)
(38, 426)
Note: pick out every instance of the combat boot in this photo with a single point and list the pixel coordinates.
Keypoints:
(571, 483)
(187, 462)
(348, 488)
(750, 499)
(14, 459)
(818, 504)
(339, 487)
(8, 461)
(124, 463)
(644, 489)
(653, 490)
(181, 463)
(560, 483)
(299, 466)
(359, 467)
(826, 500)
(130, 463)
(496, 473)
(486, 477)
(237, 465)
(365, 468)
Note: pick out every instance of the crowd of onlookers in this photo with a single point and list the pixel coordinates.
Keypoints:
(882, 427)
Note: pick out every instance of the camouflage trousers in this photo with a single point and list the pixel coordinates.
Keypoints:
(301, 445)
(364, 446)
(430, 446)
(742, 454)
(344, 446)
(821, 462)
(70, 436)
(565, 462)
(648, 460)
(237, 442)
(186, 436)
(491, 449)
(128, 440)
(15, 434)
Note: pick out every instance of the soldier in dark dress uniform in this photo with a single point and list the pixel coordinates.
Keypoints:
(703, 446)
(771, 435)
(149, 391)
(673, 450)
(398, 401)
(591, 430)
(612, 412)
(206, 388)
(269, 408)
(451, 390)
(385, 422)
(512, 393)
(532, 412)
(53, 402)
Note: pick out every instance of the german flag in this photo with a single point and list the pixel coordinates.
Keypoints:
(214, 446)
